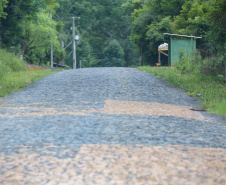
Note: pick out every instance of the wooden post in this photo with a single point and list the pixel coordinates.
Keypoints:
(73, 42)
(159, 57)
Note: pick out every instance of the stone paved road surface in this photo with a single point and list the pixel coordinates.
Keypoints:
(108, 126)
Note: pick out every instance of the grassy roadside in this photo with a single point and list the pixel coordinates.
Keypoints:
(212, 90)
(15, 75)
(16, 81)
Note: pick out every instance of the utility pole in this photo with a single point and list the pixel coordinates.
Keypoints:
(62, 42)
(73, 43)
(51, 16)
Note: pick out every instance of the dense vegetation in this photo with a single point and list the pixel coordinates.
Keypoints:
(112, 33)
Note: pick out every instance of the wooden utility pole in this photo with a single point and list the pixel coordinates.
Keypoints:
(73, 42)
(62, 42)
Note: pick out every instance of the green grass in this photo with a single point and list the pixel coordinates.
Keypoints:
(10, 63)
(212, 89)
(13, 74)
(16, 81)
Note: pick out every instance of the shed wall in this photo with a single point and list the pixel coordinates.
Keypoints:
(177, 46)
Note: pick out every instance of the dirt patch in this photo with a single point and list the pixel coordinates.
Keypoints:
(29, 67)
(145, 108)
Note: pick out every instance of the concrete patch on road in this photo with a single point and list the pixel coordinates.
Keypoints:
(146, 108)
(114, 164)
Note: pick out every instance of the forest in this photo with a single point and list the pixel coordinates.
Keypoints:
(120, 33)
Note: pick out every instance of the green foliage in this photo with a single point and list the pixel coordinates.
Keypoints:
(17, 12)
(38, 35)
(52, 3)
(137, 25)
(196, 64)
(100, 22)
(217, 17)
(10, 63)
(184, 62)
(113, 54)
(85, 52)
(155, 32)
(192, 19)
(211, 88)
(213, 66)
(149, 22)
(27, 29)
(156, 29)
(2, 6)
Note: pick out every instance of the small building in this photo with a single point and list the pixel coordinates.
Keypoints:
(178, 44)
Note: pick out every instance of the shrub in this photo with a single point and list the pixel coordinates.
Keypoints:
(213, 66)
(10, 63)
(195, 64)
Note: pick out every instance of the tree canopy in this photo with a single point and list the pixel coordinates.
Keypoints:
(132, 29)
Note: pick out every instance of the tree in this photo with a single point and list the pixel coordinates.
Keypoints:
(149, 20)
(217, 17)
(192, 19)
(218, 32)
(113, 54)
(2, 6)
(38, 35)
(17, 12)
(100, 22)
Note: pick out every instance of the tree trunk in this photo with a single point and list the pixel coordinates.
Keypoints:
(224, 71)
(141, 54)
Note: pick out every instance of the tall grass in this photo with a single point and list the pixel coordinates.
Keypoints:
(14, 75)
(10, 63)
(210, 89)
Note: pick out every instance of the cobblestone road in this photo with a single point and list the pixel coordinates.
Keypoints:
(108, 126)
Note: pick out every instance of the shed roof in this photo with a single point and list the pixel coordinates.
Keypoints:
(195, 37)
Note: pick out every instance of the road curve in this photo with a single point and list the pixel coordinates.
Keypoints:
(108, 126)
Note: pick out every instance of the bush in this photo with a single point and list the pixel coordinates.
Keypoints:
(114, 55)
(213, 66)
(10, 63)
(195, 64)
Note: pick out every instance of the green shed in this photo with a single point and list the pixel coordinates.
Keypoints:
(179, 44)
